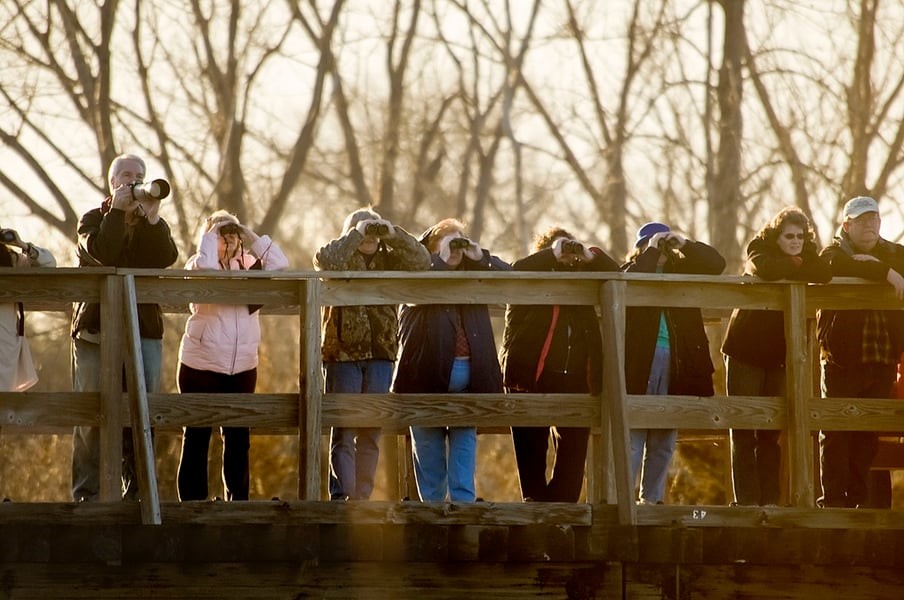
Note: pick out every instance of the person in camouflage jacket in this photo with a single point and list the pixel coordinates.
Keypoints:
(360, 342)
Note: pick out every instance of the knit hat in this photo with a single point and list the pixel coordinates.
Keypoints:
(648, 230)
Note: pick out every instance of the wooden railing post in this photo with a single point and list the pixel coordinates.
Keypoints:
(110, 470)
(311, 391)
(614, 401)
(145, 468)
(798, 378)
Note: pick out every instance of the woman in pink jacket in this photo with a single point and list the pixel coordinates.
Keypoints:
(218, 353)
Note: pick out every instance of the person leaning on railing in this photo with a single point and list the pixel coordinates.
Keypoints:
(448, 348)
(126, 230)
(219, 351)
(554, 349)
(859, 349)
(666, 349)
(359, 342)
(754, 349)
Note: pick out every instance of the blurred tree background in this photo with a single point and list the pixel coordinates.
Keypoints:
(512, 115)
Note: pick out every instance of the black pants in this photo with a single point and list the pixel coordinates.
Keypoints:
(569, 445)
(196, 440)
(845, 457)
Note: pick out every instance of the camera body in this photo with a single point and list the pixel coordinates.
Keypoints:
(378, 229)
(572, 247)
(7, 236)
(459, 243)
(157, 189)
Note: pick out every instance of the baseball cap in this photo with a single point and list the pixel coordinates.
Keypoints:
(858, 206)
(648, 230)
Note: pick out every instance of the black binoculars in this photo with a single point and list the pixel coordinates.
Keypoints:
(459, 243)
(572, 247)
(378, 229)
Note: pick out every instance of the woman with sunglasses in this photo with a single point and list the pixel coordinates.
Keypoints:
(754, 349)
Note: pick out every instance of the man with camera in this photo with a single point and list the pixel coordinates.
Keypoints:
(359, 342)
(126, 230)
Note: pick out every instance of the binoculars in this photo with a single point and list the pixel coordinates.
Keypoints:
(459, 243)
(572, 247)
(378, 229)
(7, 236)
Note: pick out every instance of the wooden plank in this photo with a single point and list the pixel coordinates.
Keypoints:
(311, 390)
(713, 294)
(49, 410)
(695, 412)
(798, 387)
(415, 290)
(143, 443)
(459, 410)
(52, 286)
(111, 345)
(612, 299)
(856, 414)
(217, 287)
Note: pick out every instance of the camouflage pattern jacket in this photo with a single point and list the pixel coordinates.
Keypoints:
(352, 333)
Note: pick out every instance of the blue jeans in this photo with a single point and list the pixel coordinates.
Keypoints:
(354, 452)
(756, 456)
(86, 365)
(439, 470)
(654, 447)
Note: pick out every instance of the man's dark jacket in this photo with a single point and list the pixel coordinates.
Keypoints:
(840, 332)
(104, 240)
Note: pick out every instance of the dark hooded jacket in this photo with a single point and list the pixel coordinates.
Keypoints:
(427, 339)
(840, 332)
(691, 366)
(757, 337)
(529, 329)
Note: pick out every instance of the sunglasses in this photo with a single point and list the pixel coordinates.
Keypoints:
(793, 236)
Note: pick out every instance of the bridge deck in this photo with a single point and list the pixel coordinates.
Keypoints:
(408, 549)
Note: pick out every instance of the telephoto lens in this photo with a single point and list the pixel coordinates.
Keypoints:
(572, 247)
(158, 189)
(377, 229)
(459, 243)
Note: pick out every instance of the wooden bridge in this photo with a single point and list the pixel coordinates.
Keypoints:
(308, 548)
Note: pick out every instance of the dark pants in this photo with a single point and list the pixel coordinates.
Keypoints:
(196, 440)
(569, 444)
(756, 456)
(845, 457)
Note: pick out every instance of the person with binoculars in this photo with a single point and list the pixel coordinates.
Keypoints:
(448, 348)
(666, 349)
(126, 230)
(219, 352)
(554, 349)
(17, 372)
(359, 342)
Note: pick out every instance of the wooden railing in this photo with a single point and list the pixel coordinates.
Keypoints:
(309, 411)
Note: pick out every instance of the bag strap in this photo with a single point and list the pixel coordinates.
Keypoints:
(20, 319)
